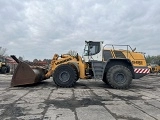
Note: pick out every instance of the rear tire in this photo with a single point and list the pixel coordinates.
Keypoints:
(105, 80)
(119, 77)
(65, 76)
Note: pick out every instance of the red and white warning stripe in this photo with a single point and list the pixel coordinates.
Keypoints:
(142, 70)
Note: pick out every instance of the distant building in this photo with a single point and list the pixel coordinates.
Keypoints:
(38, 64)
(12, 63)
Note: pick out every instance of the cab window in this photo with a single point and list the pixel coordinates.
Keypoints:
(94, 48)
(91, 48)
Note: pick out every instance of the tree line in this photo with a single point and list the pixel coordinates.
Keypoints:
(153, 59)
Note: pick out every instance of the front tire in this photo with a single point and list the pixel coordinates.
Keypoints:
(65, 76)
(119, 77)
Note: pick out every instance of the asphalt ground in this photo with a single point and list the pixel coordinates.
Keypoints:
(88, 100)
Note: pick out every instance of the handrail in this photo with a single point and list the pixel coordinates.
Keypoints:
(127, 46)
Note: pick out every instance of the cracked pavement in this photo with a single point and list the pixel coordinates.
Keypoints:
(88, 100)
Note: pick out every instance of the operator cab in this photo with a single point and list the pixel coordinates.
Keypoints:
(93, 51)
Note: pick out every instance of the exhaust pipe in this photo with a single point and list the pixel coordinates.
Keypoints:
(25, 75)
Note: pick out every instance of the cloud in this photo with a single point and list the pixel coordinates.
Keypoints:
(38, 29)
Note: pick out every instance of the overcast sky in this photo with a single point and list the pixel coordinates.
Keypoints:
(41, 28)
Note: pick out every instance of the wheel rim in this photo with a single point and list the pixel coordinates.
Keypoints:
(120, 78)
(64, 76)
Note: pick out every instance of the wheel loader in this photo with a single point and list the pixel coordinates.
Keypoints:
(154, 68)
(4, 68)
(114, 67)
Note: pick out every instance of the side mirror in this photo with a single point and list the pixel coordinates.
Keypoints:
(134, 50)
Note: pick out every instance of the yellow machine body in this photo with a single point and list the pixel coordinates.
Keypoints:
(75, 61)
(137, 58)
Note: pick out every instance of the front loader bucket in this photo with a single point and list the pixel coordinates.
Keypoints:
(24, 75)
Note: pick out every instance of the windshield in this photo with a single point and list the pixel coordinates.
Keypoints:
(85, 50)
